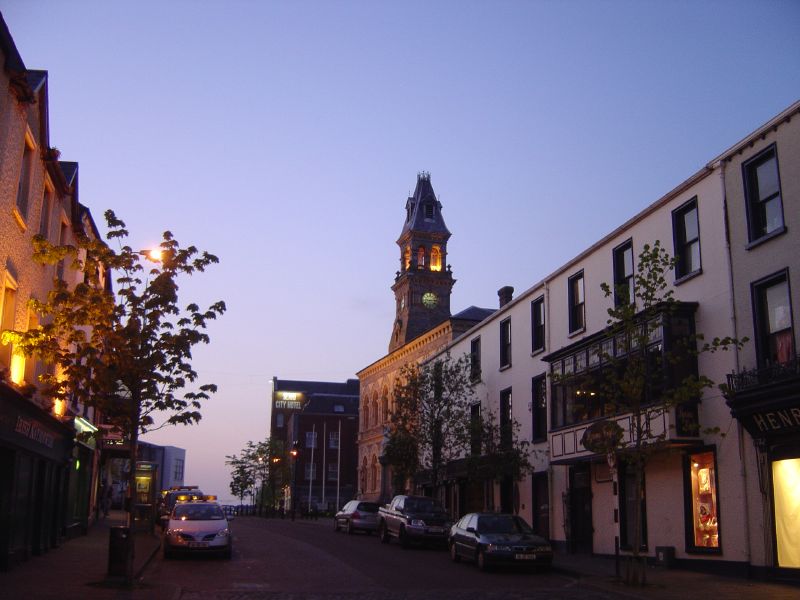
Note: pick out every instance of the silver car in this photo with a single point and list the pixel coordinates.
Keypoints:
(357, 515)
(198, 527)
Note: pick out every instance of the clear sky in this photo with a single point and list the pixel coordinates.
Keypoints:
(285, 137)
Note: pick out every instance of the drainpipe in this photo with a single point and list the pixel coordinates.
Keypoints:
(736, 358)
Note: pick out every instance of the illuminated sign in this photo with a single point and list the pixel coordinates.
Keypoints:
(34, 431)
(289, 400)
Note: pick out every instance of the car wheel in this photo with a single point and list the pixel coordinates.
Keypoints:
(335, 525)
(349, 528)
(454, 552)
(481, 560)
(403, 536)
(383, 534)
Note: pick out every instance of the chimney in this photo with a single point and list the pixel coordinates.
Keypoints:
(505, 293)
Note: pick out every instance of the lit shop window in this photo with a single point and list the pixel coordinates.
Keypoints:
(705, 517)
(786, 483)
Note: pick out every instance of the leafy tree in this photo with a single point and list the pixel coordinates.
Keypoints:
(243, 475)
(430, 420)
(644, 382)
(127, 352)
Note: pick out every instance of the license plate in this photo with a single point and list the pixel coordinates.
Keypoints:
(525, 556)
(198, 544)
(435, 530)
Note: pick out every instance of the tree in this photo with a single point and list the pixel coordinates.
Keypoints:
(430, 420)
(258, 470)
(645, 377)
(243, 475)
(127, 352)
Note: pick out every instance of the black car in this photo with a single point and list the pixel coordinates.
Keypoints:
(498, 539)
(357, 515)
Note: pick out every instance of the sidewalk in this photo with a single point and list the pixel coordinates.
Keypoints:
(78, 568)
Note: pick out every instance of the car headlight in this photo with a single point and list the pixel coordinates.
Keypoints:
(417, 523)
(498, 548)
(223, 532)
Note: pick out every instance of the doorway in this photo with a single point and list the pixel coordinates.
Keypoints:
(580, 509)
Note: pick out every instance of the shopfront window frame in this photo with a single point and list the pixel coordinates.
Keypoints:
(689, 503)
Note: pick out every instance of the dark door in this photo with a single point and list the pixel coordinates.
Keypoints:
(580, 509)
(541, 505)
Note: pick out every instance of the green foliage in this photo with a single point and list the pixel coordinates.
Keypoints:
(260, 469)
(126, 352)
(497, 452)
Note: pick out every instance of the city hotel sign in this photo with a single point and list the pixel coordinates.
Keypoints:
(289, 400)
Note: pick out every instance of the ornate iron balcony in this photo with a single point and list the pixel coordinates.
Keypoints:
(750, 378)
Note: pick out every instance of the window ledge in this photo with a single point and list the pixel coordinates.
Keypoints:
(20, 221)
(688, 276)
(577, 332)
(505, 367)
(765, 238)
(537, 352)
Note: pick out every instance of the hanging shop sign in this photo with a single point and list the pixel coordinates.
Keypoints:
(602, 437)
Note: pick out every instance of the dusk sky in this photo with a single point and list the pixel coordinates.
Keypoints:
(285, 137)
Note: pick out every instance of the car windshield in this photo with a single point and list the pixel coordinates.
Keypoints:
(422, 505)
(198, 512)
(502, 524)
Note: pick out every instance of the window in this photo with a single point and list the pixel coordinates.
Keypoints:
(539, 407)
(577, 316)
(44, 218)
(385, 405)
(429, 210)
(62, 239)
(279, 420)
(703, 516)
(8, 306)
(333, 439)
(774, 331)
(623, 274)
(785, 475)
(365, 416)
(505, 343)
(762, 188)
(23, 189)
(537, 325)
(33, 366)
(407, 258)
(475, 359)
(506, 420)
(686, 236)
(310, 471)
(475, 429)
(436, 258)
(311, 439)
(421, 257)
(338, 408)
(178, 473)
(333, 472)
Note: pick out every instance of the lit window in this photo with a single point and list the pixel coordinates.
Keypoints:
(785, 483)
(763, 190)
(421, 257)
(704, 513)
(774, 334)
(407, 258)
(311, 439)
(8, 305)
(436, 258)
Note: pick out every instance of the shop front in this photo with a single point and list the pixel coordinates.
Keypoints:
(767, 402)
(35, 456)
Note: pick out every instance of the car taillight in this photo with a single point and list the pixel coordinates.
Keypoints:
(356, 515)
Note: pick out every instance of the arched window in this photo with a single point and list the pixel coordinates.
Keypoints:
(362, 477)
(375, 414)
(365, 416)
(385, 405)
(407, 258)
(436, 258)
(421, 257)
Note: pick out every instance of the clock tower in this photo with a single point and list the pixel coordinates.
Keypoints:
(423, 284)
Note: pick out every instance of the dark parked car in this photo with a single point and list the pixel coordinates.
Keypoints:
(357, 515)
(495, 539)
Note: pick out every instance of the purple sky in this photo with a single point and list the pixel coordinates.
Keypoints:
(285, 137)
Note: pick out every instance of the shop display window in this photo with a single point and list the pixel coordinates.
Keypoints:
(705, 509)
(786, 484)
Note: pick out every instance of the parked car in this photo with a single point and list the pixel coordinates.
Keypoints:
(413, 519)
(495, 539)
(357, 515)
(198, 526)
(170, 497)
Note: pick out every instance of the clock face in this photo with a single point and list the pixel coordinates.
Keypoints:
(429, 299)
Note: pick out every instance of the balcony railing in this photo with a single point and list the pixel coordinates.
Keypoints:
(750, 378)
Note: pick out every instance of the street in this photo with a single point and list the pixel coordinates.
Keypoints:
(278, 559)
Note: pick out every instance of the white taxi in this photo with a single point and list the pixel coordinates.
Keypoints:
(198, 526)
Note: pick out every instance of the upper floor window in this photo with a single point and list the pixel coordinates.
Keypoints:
(623, 274)
(505, 343)
(429, 210)
(763, 191)
(311, 439)
(539, 407)
(23, 189)
(44, 218)
(475, 359)
(407, 258)
(773, 311)
(436, 258)
(577, 315)
(310, 471)
(279, 420)
(333, 439)
(338, 408)
(8, 307)
(537, 325)
(686, 235)
(178, 473)
(421, 257)
(475, 429)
